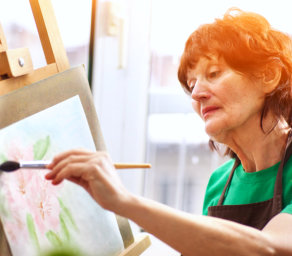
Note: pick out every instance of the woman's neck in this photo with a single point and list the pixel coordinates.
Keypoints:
(258, 150)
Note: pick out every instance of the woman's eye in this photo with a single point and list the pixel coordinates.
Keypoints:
(191, 86)
(214, 74)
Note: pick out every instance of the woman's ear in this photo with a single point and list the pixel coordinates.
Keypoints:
(271, 77)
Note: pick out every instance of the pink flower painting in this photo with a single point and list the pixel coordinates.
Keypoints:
(37, 216)
(34, 208)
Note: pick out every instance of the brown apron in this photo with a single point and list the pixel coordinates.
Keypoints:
(255, 215)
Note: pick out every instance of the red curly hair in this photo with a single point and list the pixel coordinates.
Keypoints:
(249, 45)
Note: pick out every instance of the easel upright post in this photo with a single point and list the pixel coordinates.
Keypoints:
(49, 34)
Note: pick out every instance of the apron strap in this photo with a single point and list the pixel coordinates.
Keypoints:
(278, 190)
(236, 163)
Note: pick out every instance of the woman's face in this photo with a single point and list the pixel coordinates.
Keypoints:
(226, 100)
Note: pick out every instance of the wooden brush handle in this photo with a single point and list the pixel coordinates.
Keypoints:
(131, 165)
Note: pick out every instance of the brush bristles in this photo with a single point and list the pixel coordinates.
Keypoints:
(9, 166)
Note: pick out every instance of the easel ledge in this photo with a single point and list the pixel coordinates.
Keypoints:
(141, 243)
(16, 71)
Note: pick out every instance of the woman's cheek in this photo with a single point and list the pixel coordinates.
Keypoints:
(196, 107)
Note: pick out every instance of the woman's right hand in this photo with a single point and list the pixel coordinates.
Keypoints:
(95, 172)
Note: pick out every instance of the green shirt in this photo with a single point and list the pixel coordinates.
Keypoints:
(246, 188)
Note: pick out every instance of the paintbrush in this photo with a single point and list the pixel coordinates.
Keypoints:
(11, 166)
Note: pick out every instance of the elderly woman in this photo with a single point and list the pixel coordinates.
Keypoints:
(238, 72)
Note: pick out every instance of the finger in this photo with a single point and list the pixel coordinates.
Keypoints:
(70, 171)
(66, 161)
(65, 154)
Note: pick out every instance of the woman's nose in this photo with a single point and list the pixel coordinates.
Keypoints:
(200, 91)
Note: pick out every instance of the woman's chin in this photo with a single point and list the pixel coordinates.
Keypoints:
(215, 133)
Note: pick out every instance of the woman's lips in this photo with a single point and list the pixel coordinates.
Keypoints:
(206, 111)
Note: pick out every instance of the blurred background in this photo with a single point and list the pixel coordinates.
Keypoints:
(143, 112)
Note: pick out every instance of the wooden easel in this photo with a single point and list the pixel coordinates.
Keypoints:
(16, 71)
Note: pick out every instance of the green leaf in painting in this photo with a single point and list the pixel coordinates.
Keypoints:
(40, 148)
(3, 158)
(3, 206)
(32, 231)
(54, 238)
(67, 216)
(64, 230)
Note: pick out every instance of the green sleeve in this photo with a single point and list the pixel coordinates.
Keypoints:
(216, 185)
(287, 209)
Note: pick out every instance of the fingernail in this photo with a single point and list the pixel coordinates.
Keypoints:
(54, 182)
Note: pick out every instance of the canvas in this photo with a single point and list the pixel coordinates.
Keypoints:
(37, 215)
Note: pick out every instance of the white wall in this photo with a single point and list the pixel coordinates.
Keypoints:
(120, 95)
